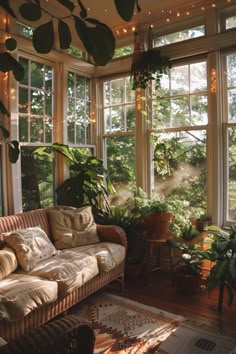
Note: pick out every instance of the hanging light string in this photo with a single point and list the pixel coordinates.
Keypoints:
(168, 16)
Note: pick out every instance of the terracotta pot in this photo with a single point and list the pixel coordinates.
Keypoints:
(157, 224)
(187, 284)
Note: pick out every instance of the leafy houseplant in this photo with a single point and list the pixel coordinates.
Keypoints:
(88, 186)
(223, 253)
(148, 65)
(187, 269)
(131, 223)
(163, 216)
(202, 221)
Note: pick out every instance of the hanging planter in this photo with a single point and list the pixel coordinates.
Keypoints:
(147, 65)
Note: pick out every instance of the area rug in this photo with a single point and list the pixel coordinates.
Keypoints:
(123, 326)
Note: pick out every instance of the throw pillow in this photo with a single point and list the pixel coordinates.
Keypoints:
(8, 262)
(31, 246)
(73, 227)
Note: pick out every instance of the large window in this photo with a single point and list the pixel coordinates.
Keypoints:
(230, 181)
(35, 109)
(180, 115)
(119, 126)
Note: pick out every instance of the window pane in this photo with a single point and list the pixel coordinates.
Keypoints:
(120, 52)
(231, 210)
(230, 22)
(231, 70)
(182, 99)
(35, 98)
(119, 105)
(184, 35)
(180, 166)
(121, 162)
(24, 30)
(78, 109)
(37, 173)
(232, 106)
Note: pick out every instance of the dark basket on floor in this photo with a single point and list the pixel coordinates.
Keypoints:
(66, 335)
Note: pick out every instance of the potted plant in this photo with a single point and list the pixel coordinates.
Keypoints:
(89, 183)
(203, 221)
(163, 216)
(132, 223)
(187, 269)
(223, 253)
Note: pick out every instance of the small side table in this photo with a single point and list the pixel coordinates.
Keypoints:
(151, 243)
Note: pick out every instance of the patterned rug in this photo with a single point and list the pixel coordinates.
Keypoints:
(126, 327)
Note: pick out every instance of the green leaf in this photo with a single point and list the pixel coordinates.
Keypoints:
(18, 70)
(64, 150)
(5, 132)
(30, 11)
(125, 8)
(3, 109)
(83, 12)
(11, 44)
(43, 38)
(64, 35)
(5, 5)
(102, 51)
(13, 151)
(81, 29)
(68, 4)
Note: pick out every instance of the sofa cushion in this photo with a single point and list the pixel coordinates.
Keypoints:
(72, 227)
(8, 262)
(31, 245)
(20, 294)
(69, 269)
(108, 254)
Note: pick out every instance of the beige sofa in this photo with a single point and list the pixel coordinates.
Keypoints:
(35, 292)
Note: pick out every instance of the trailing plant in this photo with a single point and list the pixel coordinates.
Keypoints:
(223, 253)
(89, 184)
(9, 64)
(89, 30)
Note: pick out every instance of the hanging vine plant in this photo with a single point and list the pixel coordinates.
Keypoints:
(148, 65)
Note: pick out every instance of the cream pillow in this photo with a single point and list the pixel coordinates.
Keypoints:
(73, 227)
(31, 246)
(8, 262)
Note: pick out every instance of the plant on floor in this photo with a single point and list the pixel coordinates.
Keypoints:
(223, 253)
(89, 184)
(132, 223)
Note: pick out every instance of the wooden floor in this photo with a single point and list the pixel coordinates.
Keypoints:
(160, 292)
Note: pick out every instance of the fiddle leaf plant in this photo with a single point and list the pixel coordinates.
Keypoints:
(89, 183)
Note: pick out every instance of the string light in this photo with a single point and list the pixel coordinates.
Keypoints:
(169, 15)
(213, 81)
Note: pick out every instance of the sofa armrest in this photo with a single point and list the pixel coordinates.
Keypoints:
(112, 233)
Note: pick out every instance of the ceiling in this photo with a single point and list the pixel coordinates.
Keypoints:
(153, 12)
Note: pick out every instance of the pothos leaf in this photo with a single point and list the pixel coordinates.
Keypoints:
(64, 35)
(43, 38)
(101, 51)
(5, 132)
(13, 151)
(83, 12)
(67, 3)
(5, 5)
(30, 11)
(3, 109)
(125, 8)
